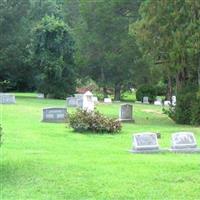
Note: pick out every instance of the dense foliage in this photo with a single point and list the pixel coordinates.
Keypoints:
(146, 91)
(83, 121)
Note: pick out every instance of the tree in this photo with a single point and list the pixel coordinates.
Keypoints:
(54, 50)
(107, 53)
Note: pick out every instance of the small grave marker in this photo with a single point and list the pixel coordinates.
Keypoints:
(107, 100)
(146, 100)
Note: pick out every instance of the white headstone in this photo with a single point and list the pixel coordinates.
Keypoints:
(54, 115)
(183, 141)
(146, 100)
(95, 99)
(158, 103)
(40, 96)
(173, 100)
(107, 100)
(126, 112)
(145, 142)
(167, 103)
(7, 98)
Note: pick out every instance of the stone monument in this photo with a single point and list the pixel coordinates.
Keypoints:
(126, 113)
(56, 115)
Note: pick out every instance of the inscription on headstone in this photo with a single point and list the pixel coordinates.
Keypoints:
(126, 112)
(54, 115)
(184, 142)
(7, 98)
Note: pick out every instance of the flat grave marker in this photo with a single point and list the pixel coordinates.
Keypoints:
(184, 142)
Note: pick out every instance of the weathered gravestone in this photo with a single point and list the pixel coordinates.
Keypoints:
(72, 101)
(40, 96)
(95, 99)
(107, 100)
(57, 115)
(7, 98)
(145, 143)
(126, 113)
(184, 142)
(146, 100)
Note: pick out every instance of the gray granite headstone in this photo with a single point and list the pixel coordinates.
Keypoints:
(146, 100)
(126, 113)
(184, 142)
(72, 101)
(146, 142)
(54, 115)
(7, 98)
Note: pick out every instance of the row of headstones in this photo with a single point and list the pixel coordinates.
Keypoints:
(60, 114)
(159, 102)
(148, 143)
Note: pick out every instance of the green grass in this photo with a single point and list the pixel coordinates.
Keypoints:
(46, 161)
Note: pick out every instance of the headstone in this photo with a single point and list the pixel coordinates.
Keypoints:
(95, 99)
(146, 100)
(173, 100)
(40, 96)
(7, 98)
(184, 142)
(56, 115)
(126, 113)
(158, 103)
(107, 100)
(145, 143)
(167, 103)
(71, 101)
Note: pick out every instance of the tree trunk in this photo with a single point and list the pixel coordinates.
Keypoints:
(169, 89)
(105, 94)
(117, 92)
(198, 71)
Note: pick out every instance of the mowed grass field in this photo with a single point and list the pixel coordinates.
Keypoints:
(46, 161)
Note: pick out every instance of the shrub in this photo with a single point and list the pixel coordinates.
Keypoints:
(83, 121)
(187, 109)
(146, 91)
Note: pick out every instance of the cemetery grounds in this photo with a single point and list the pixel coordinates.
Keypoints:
(49, 161)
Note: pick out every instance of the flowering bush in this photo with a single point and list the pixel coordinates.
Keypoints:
(83, 121)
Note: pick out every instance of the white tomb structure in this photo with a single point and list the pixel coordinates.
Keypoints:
(88, 103)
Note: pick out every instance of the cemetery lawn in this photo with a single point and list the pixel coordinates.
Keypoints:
(46, 161)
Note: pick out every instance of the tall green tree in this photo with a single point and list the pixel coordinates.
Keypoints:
(54, 53)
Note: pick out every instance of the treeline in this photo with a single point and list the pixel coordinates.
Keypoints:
(53, 45)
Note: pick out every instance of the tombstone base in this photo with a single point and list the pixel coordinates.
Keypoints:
(148, 151)
(54, 121)
(186, 150)
(127, 120)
